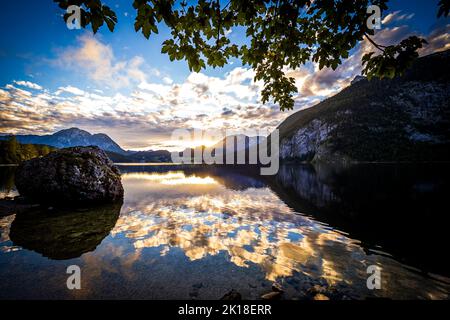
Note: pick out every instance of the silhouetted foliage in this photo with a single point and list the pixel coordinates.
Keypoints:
(12, 151)
(444, 8)
(281, 34)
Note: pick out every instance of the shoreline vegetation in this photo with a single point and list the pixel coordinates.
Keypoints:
(13, 152)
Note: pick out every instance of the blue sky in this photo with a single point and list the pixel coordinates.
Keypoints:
(119, 83)
(41, 33)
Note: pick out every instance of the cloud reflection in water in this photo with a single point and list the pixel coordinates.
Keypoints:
(253, 226)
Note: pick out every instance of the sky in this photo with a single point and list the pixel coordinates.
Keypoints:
(119, 83)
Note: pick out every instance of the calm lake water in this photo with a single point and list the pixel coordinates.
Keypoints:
(199, 232)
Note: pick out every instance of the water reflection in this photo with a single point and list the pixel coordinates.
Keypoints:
(7, 187)
(253, 226)
(399, 208)
(63, 235)
(197, 232)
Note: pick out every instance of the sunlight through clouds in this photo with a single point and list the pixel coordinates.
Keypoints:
(153, 105)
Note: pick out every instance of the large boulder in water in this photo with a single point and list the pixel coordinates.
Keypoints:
(71, 176)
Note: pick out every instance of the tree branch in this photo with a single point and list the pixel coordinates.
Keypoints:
(378, 46)
(218, 23)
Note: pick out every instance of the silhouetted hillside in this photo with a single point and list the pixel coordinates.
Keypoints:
(403, 119)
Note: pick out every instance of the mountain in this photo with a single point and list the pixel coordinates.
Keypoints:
(402, 119)
(76, 137)
(242, 144)
(70, 138)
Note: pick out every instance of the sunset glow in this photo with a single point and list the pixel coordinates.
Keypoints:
(120, 84)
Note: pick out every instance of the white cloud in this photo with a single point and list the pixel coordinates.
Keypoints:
(28, 84)
(161, 89)
(438, 40)
(70, 89)
(167, 80)
(97, 60)
(396, 16)
(146, 116)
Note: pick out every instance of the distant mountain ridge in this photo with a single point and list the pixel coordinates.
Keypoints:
(71, 138)
(240, 143)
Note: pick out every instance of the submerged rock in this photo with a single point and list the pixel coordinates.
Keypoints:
(271, 295)
(317, 289)
(233, 295)
(277, 287)
(71, 176)
(320, 292)
(320, 296)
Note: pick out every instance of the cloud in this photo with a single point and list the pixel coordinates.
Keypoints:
(438, 40)
(396, 16)
(145, 116)
(227, 112)
(28, 84)
(314, 84)
(70, 89)
(98, 62)
(167, 80)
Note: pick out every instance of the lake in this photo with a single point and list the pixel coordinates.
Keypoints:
(197, 232)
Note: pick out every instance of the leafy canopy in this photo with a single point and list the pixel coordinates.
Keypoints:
(281, 34)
